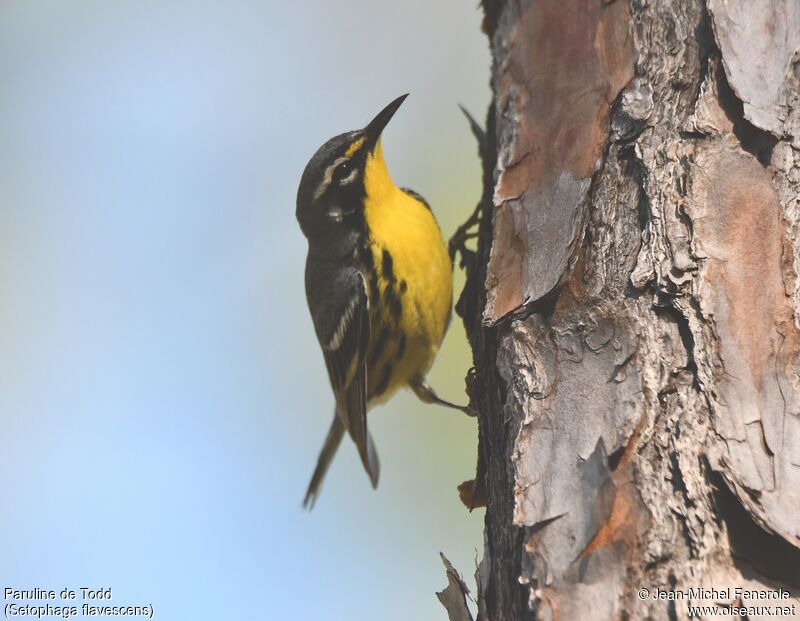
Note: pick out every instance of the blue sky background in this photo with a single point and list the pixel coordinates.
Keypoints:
(162, 396)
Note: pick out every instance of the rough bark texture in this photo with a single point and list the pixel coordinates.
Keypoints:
(634, 305)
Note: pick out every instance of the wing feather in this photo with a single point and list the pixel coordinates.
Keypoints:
(345, 353)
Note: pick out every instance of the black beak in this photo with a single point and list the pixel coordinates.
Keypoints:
(381, 120)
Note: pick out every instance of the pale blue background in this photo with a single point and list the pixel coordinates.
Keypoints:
(162, 396)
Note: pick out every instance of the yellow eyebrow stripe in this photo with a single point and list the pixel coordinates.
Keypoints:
(353, 147)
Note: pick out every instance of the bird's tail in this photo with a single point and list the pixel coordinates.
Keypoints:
(373, 467)
(332, 442)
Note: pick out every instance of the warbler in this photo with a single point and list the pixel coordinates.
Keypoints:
(378, 283)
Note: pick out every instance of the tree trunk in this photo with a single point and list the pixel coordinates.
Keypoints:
(633, 307)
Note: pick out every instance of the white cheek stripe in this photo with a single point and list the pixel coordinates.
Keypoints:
(335, 214)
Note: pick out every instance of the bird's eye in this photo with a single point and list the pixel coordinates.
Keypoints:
(344, 173)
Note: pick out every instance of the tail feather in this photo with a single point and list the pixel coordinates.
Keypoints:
(369, 457)
(332, 442)
(373, 467)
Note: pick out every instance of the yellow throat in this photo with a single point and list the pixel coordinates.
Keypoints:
(412, 291)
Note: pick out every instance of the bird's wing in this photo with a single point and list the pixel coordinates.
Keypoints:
(345, 343)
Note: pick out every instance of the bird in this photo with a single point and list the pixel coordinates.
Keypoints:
(378, 281)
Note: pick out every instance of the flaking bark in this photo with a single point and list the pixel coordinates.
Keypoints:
(633, 305)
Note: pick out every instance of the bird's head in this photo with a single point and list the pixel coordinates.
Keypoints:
(337, 178)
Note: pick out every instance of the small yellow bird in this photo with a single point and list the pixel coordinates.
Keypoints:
(378, 283)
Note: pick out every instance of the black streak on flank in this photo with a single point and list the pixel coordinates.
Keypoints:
(380, 344)
(396, 306)
(393, 301)
(389, 296)
(388, 266)
(401, 347)
(374, 292)
(384, 383)
(403, 286)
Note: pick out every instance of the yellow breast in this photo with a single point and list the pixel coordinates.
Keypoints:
(412, 284)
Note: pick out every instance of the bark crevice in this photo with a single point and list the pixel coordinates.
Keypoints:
(633, 306)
